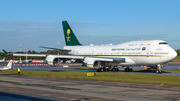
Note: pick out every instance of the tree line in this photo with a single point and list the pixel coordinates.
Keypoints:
(9, 55)
(178, 52)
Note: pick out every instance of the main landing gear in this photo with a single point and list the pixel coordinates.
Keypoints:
(127, 69)
(102, 70)
(114, 69)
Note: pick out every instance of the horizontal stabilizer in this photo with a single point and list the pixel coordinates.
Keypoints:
(56, 49)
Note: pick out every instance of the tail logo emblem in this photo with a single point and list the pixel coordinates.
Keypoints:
(68, 37)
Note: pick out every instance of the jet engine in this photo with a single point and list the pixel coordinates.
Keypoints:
(53, 61)
(94, 64)
(56, 61)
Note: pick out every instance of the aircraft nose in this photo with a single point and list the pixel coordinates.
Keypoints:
(173, 54)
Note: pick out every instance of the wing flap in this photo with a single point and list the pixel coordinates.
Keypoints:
(108, 59)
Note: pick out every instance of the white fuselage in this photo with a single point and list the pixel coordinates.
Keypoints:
(150, 52)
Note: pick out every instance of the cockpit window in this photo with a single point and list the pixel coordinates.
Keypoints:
(162, 43)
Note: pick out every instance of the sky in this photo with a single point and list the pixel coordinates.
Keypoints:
(39, 22)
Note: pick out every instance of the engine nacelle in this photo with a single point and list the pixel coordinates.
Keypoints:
(53, 61)
(94, 64)
(56, 61)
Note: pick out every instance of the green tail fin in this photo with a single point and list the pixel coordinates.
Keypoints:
(70, 38)
(4, 51)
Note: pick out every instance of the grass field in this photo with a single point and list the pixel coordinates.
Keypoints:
(177, 59)
(107, 76)
(154, 71)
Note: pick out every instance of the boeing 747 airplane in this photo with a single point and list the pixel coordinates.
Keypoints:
(152, 53)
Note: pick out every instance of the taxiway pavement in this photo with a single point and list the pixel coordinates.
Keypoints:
(24, 88)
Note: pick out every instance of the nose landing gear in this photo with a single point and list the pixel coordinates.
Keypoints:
(159, 70)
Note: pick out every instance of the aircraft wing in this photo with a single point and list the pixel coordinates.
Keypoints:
(92, 58)
(53, 59)
(35, 55)
(74, 57)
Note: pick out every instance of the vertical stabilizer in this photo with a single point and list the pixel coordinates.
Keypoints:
(9, 65)
(3, 59)
(70, 38)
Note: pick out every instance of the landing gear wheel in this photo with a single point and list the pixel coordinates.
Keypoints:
(107, 70)
(125, 70)
(117, 69)
(158, 71)
(103, 69)
(130, 70)
(112, 70)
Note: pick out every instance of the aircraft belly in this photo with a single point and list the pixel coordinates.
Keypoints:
(138, 61)
(150, 60)
(146, 60)
(157, 60)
